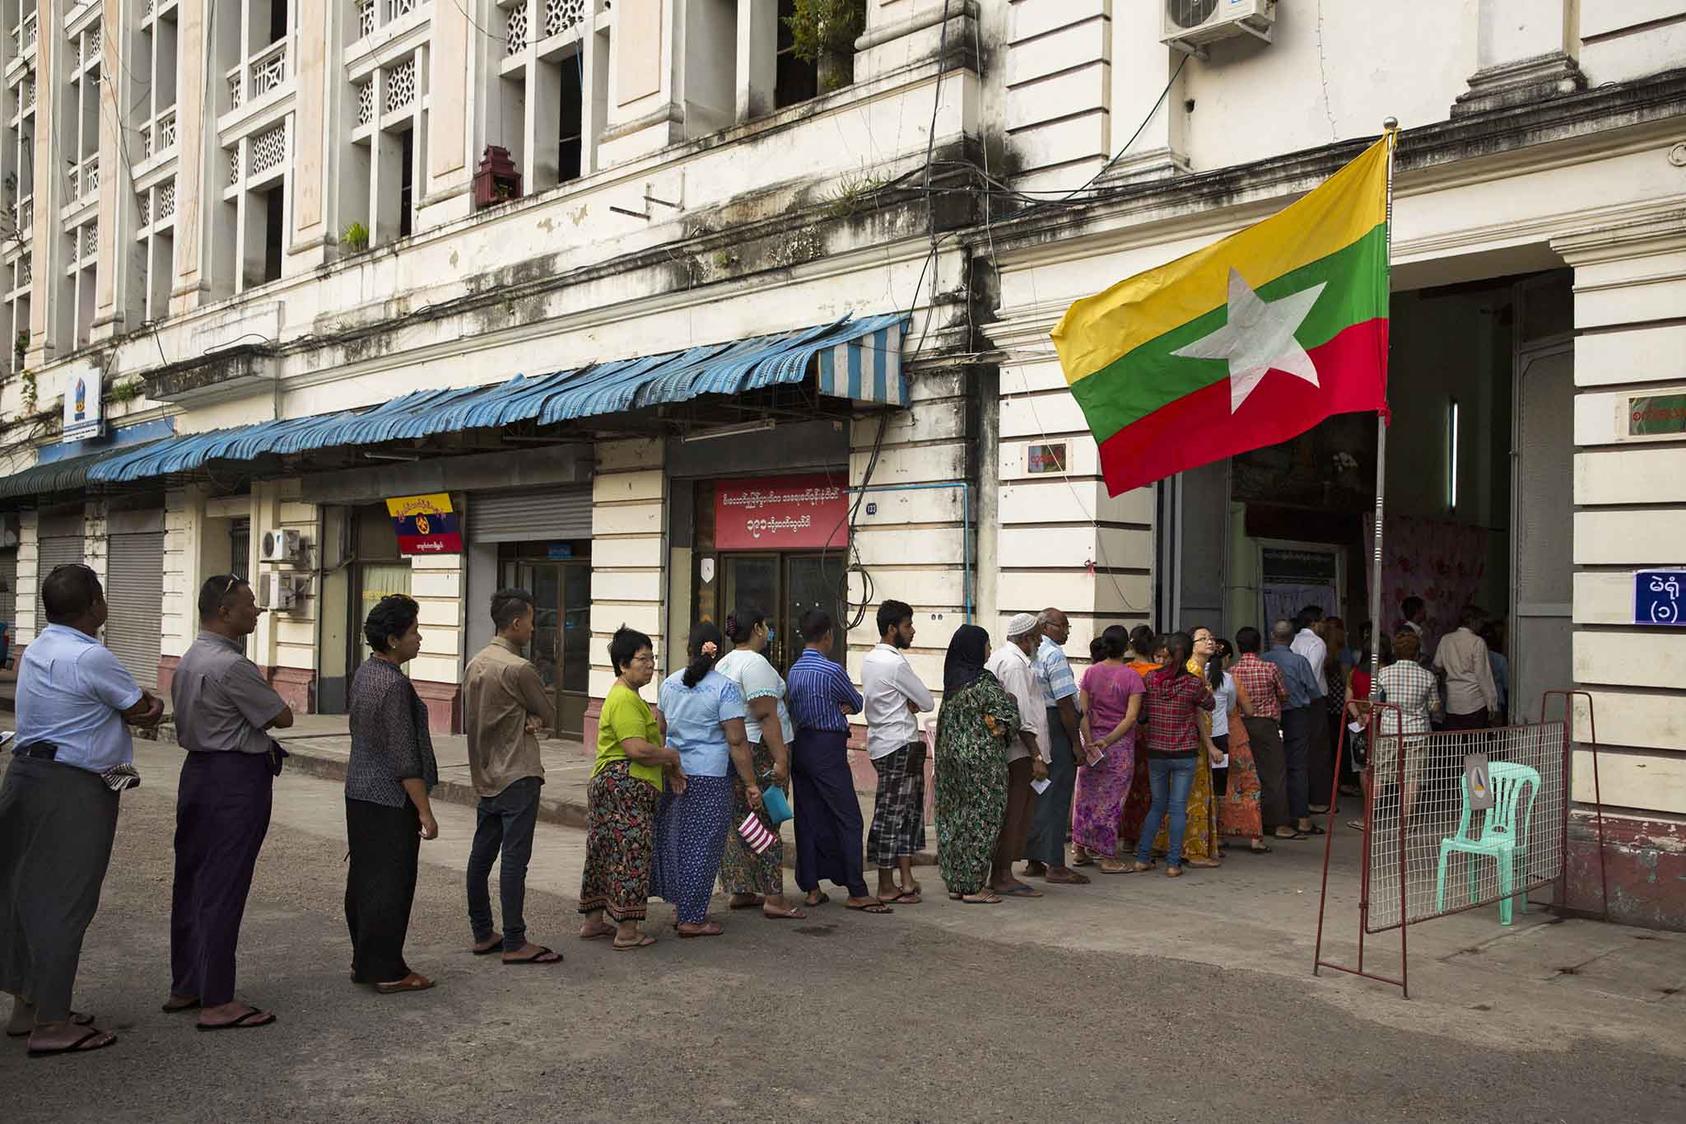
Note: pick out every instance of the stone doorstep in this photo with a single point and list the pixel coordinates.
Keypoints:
(561, 800)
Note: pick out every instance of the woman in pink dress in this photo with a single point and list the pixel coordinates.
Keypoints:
(1111, 701)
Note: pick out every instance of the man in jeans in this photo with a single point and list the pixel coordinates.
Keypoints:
(1046, 846)
(503, 698)
(1298, 714)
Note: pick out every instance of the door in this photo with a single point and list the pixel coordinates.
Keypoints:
(561, 647)
(754, 581)
(812, 581)
(1542, 637)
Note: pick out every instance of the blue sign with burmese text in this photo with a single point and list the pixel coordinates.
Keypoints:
(1657, 597)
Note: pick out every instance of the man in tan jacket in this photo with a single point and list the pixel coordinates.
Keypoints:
(503, 698)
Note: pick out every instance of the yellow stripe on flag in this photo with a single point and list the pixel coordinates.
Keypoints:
(1097, 330)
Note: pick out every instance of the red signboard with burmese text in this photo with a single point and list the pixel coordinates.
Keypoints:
(781, 513)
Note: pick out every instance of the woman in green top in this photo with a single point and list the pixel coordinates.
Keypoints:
(977, 722)
(625, 792)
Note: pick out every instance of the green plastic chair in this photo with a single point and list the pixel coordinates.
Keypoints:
(1503, 836)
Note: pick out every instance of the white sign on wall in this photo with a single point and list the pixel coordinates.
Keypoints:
(84, 406)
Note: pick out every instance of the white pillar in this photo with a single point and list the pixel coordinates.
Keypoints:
(1525, 52)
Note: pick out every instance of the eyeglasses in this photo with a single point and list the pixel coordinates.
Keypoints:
(648, 657)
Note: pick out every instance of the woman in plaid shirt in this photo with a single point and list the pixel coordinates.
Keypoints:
(1173, 696)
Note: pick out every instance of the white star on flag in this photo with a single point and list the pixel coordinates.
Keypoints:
(1258, 337)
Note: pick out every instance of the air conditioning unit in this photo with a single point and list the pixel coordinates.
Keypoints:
(282, 546)
(279, 592)
(1190, 24)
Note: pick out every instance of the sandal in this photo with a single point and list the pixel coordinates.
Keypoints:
(1020, 890)
(1259, 848)
(77, 1018)
(1356, 825)
(596, 935)
(251, 1018)
(1312, 830)
(1173, 872)
(817, 902)
(870, 907)
(542, 956)
(93, 1040)
(411, 982)
(982, 897)
(707, 929)
(495, 945)
(1203, 864)
(792, 914)
(756, 902)
(1138, 868)
(644, 940)
(1113, 866)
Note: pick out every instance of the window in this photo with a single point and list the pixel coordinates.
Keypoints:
(17, 172)
(79, 141)
(255, 51)
(152, 156)
(387, 149)
(795, 80)
(552, 89)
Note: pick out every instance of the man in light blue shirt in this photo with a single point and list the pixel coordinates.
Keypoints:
(1045, 849)
(1298, 716)
(58, 808)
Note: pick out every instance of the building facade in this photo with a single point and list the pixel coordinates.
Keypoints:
(683, 309)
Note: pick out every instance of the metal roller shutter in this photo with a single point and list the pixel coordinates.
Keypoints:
(530, 515)
(60, 542)
(134, 589)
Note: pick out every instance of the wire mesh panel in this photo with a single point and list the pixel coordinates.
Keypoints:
(1465, 818)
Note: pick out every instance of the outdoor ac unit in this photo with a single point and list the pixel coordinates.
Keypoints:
(282, 546)
(279, 592)
(1190, 24)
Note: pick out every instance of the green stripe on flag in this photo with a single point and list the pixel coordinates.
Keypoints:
(1148, 377)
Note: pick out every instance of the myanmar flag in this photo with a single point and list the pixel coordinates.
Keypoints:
(1248, 342)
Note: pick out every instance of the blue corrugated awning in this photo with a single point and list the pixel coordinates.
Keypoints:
(854, 359)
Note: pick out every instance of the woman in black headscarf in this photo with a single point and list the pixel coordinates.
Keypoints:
(977, 721)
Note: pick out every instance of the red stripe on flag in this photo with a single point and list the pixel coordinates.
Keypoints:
(1199, 428)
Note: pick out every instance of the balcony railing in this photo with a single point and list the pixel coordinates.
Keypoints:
(23, 215)
(261, 74)
(26, 33)
(159, 134)
(85, 178)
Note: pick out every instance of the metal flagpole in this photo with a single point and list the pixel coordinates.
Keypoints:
(1391, 127)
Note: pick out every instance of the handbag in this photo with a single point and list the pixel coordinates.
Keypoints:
(775, 806)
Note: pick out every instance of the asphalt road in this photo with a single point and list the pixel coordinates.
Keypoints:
(842, 1017)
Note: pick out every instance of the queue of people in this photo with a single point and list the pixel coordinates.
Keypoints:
(1167, 747)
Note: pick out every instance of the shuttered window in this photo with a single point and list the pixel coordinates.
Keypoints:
(530, 515)
(60, 542)
(134, 590)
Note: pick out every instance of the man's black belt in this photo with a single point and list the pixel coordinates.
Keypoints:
(44, 751)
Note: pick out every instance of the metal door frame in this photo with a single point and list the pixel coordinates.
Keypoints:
(1523, 359)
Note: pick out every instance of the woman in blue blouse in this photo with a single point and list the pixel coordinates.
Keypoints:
(702, 716)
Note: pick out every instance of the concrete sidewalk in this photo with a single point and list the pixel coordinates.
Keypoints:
(321, 747)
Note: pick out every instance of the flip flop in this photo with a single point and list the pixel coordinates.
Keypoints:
(1115, 868)
(644, 940)
(93, 1040)
(609, 931)
(756, 904)
(873, 907)
(1074, 880)
(821, 900)
(794, 914)
(1312, 830)
(1020, 891)
(251, 1018)
(171, 1007)
(495, 946)
(1261, 849)
(77, 1018)
(411, 982)
(987, 898)
(542, 956)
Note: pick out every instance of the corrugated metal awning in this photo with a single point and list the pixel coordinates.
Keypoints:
(855, 359)
(67, 475)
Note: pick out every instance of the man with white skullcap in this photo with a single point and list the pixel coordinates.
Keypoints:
(1028, 759)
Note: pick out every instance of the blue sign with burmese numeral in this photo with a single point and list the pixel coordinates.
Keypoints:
(1657, 597)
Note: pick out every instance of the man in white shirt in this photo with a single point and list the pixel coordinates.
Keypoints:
(1472, 696)
(1028, 759)
(893, 698)
(1320, 751)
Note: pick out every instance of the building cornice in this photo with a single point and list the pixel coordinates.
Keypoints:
(1571, 129)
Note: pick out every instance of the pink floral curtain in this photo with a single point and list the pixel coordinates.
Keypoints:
(1441, 562)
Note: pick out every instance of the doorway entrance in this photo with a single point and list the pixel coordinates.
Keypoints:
(559, 579)
(785, 586)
